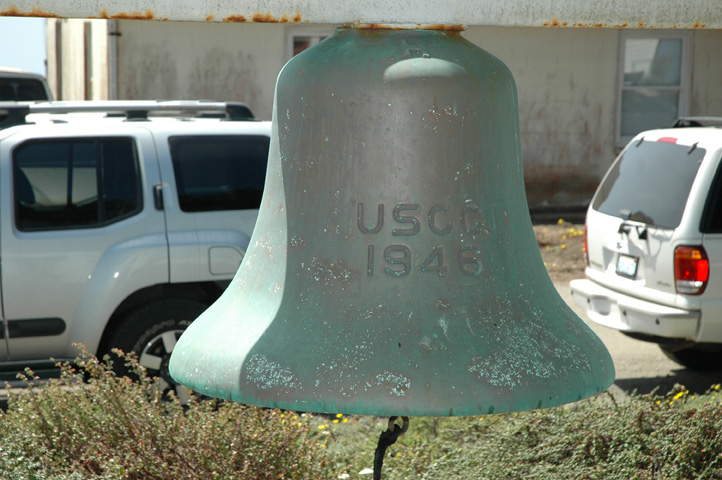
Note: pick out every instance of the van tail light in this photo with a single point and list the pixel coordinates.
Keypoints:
(586, 246)
(691, 269)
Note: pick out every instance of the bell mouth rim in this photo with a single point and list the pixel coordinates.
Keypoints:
(403, 26)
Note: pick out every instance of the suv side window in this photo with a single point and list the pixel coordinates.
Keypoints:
(219, 172)
(711, 221)
(75, 183)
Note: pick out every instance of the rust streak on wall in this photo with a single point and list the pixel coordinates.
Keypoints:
(386, 26)
(148, 15)
(555, 22)
(267, 17)
(35, 12)
(259, 17)
(235, 19)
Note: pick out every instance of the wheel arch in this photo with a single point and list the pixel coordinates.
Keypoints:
(204, 292)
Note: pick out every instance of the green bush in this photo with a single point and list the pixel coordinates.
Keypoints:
(646, 437)
(91, 424)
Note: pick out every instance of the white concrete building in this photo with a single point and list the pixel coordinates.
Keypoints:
(583, 92)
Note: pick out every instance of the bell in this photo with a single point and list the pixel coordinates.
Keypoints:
(393, 269)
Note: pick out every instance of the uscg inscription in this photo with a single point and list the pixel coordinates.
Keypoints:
(409, 219)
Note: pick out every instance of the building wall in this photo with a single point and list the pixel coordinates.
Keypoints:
(707, 73)
(80, 48)
(211, 61)
(566, 82)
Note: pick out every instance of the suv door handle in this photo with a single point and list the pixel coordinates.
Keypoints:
(158, 196)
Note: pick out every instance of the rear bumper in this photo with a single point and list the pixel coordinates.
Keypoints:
(632, 315)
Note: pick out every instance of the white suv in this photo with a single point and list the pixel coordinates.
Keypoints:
(120, 222)
(654, 244)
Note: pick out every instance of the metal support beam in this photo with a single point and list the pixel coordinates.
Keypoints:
(541, 13)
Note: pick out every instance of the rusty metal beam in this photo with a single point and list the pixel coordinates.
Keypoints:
(547, 13)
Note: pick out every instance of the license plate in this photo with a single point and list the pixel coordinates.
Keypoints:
(627, 266)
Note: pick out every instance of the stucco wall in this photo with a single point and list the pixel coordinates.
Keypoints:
(707, 73)
(212, 61)
(566, 80)
(566, 83)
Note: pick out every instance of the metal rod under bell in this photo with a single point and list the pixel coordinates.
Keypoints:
(386, 439)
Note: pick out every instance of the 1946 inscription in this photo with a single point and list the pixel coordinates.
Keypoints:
(408, 217)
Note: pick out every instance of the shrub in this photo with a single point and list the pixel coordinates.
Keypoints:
(645, 437)
(92, 424)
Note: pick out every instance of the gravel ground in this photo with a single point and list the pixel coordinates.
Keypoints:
(561, 245)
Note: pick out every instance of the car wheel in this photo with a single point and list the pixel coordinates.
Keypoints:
(704, 356)
(151, 332)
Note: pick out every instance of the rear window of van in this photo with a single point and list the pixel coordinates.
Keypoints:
(650, 183)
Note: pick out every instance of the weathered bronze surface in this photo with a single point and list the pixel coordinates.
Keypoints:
(393, 269)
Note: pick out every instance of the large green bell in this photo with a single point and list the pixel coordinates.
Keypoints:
(393, 269)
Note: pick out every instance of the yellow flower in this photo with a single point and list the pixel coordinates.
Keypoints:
(339, 415)
(678, 396)
(562, 246)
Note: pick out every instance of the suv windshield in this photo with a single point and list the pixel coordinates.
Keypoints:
(650, 183)
(22, 89)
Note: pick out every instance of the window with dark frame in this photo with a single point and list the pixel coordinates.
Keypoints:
(219, 172)
(75, 183)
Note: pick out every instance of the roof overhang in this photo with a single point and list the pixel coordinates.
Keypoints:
(668, 14)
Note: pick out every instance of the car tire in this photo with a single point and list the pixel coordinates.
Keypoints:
(704, 357)
(151, 333)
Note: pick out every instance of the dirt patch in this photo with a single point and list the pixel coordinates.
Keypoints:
(562, 248)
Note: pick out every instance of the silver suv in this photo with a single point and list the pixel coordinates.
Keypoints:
(120, 222)
(654, 244)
